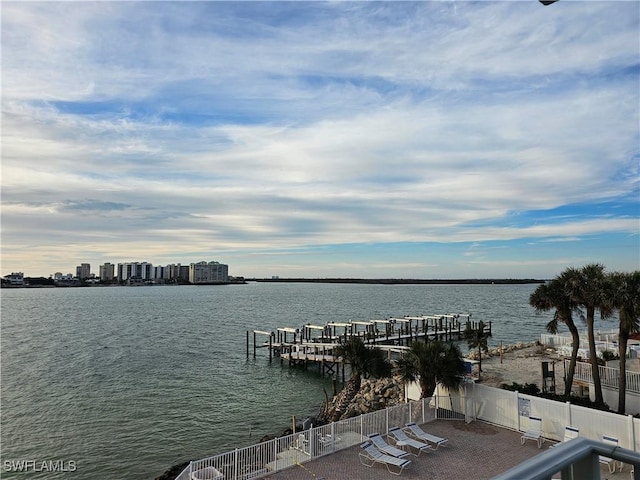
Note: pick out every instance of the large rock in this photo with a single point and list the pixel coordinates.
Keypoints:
(373, 395)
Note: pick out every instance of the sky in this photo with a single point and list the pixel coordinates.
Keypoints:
(446, 139)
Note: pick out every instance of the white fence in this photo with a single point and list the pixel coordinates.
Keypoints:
(511, 410)
(502, 408)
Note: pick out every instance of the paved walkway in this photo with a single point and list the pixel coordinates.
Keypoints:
(475, 451)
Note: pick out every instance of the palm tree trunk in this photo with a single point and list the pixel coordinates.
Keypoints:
(622, 382)
(568, 383)
(346, 396)
(427, 386)
(595, 371)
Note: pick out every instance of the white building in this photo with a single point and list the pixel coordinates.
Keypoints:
(212, 272)
(107, 272)
(178, 272)
(83, 271)
(135, 270)
(161, 273)
(16, 279)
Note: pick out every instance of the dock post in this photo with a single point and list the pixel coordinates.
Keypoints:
(247, 343)
(254, 344)
(270, 347)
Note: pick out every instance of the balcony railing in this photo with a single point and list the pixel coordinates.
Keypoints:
(609, 376)
(577, 459)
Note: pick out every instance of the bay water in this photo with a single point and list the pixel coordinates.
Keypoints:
(126, 381)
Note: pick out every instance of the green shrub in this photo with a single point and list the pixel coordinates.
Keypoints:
(527, 388)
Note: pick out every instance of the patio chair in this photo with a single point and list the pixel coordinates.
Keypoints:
(534, 432)
(402, 439)
(414, 430)
(384, 447)
(301, 443)
(370, 455)
(610, 462)
(570, 433)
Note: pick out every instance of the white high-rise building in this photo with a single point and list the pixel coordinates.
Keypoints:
(135, 270)
(83, 271)
(212, 272)
(107, 272)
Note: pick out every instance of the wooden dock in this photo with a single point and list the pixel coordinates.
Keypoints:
(314, 345)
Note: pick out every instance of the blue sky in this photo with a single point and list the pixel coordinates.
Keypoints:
(443, 139)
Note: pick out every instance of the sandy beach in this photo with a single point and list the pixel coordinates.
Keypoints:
(521, 363)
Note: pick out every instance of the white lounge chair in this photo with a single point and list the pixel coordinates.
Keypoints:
(570, 433)
(370, 455)
(610, 462)
(534, 431)
(414, 430)
(402, 439)
(384, 447)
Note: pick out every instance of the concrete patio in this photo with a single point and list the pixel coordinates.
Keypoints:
(476, 451)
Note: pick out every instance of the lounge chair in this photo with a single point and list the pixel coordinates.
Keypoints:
(402, 439)
(384, 447)
(414, 430)
(534, 432)
(610, 462)
(570, 433)
(371, 455)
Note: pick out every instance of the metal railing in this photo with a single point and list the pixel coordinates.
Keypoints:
(499, 407)
(577, 459)
(609, 376)
(271, 456)
(605, 341)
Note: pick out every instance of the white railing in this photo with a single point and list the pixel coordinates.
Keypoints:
(555, 341)
(268, 457)
(605, 342)
(502, 408)
(609, 376)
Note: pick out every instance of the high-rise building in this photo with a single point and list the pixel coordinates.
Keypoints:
(212, 272)
(135, 270)
(178, 272)
(107, 272)
(160, 273)
(83, 271)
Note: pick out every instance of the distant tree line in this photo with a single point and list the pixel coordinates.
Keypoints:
(406, 281)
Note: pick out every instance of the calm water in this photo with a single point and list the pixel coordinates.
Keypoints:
(127, 381)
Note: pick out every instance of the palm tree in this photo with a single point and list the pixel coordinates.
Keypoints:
(431, 363)
(552, 295)
(364, 362)
(477, 337)
(586, 287)
(623, 294)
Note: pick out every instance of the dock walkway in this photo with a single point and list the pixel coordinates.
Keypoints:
(314, 345)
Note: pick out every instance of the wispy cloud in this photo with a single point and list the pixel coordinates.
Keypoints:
(211, 128)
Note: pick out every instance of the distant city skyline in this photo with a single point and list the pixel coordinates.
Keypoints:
(310, 139)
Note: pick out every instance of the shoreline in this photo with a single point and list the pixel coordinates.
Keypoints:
(404, 281)
(521, 363)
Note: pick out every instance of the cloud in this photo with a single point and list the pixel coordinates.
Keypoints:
(213, 126)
